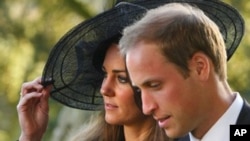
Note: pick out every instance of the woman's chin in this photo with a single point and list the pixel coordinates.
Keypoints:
(111, 119)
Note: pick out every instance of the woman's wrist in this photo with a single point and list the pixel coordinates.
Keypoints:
(29, 138)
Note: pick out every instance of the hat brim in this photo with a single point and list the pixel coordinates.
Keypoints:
(227, 18)
(77, 82)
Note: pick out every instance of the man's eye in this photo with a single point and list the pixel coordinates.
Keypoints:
(154, 84)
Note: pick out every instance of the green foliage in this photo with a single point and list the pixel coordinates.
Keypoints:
(28, 31)
(238, 66)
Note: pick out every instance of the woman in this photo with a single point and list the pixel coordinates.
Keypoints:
(123, 118)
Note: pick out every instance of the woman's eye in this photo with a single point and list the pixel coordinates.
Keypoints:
(136, 90)
(123, 79)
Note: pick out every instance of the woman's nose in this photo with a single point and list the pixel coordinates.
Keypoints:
(107, 87)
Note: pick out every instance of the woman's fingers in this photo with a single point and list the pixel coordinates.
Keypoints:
(28, 100)
(33, 109)
(31, 86)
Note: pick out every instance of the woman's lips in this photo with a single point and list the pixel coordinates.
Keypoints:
(109, 106)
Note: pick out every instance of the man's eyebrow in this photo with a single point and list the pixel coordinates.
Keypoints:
(145, 83)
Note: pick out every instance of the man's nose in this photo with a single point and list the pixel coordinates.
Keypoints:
(148, 104)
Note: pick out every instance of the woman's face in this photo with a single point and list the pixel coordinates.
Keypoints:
(119, 103)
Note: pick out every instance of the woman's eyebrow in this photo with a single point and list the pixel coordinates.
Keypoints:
(115, 70)
(118, 71)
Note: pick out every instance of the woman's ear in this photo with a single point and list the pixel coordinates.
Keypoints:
(200, 65)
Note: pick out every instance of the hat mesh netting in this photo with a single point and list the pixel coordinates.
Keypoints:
(76, 82)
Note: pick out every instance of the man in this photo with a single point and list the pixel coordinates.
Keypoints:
(176, 57)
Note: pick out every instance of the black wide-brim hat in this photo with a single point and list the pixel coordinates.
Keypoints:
(71, 67)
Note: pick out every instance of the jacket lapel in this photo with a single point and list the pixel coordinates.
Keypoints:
(244, 117)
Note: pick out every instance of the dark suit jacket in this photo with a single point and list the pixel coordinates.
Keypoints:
(244, 118)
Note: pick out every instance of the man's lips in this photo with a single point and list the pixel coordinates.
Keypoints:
(163, 121)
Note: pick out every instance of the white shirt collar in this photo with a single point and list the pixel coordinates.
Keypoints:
(220, 130)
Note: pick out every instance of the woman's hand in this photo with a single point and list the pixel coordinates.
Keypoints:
(33, 110)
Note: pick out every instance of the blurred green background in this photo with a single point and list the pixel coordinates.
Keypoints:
(28, 31)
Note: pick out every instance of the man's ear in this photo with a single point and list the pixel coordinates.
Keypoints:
(200, 65)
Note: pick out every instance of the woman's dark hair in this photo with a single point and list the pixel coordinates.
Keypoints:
(101, 50)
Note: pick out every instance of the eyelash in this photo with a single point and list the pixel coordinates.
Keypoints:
(154, 85)
(136, 90)
(122, 79)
